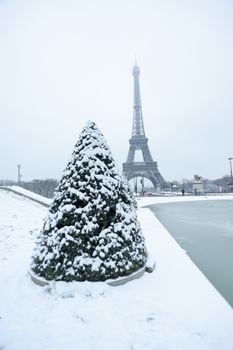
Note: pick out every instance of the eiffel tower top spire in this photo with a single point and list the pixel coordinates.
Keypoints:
(138, 126)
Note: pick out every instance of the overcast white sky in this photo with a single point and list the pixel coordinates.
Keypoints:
(65, 62)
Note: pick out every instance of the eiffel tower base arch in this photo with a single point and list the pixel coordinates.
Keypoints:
(147, 170)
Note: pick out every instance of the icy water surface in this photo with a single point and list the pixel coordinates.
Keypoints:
(205, 231)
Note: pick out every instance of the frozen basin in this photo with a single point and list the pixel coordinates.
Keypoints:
(205, 230)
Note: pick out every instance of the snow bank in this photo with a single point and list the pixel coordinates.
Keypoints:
(28, 194)
(143, 201)
(173, 308)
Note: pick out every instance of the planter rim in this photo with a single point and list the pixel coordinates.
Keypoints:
(111, 282)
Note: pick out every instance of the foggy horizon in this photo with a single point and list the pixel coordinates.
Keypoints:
(64, 63)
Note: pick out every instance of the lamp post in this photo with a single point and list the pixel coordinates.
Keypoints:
(19, 174)
(142, 182)
(136, 186)
(231, 183)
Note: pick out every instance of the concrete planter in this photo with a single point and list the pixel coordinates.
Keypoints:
(40, 281)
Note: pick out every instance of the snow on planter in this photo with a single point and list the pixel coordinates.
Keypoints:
(91, 232)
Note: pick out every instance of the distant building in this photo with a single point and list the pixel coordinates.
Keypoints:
(211, 187)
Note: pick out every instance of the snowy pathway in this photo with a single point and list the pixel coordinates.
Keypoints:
(174, 308)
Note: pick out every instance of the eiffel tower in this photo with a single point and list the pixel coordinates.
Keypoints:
(147, 168)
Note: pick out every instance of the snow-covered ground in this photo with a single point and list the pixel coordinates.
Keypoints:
(174, 308)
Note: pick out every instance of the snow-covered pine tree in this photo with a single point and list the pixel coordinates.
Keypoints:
(91, 232)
